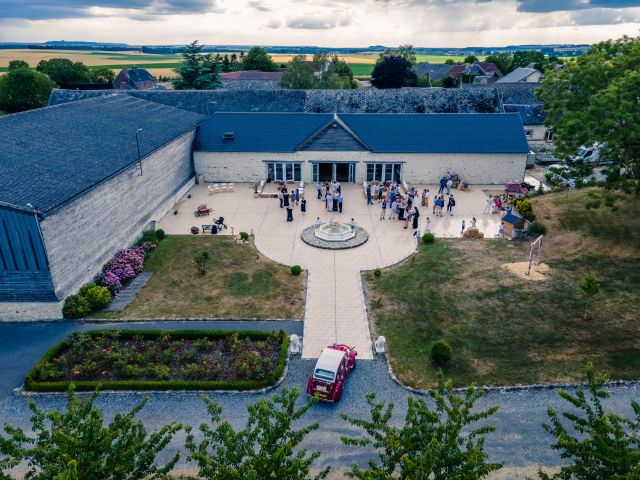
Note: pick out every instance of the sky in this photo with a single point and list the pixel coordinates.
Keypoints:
(329, 23)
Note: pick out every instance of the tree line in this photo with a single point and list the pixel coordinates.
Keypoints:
(442, 437)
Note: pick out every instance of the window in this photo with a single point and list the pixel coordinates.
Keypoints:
(297, 172)
(382, 172)
(388, 172)
(528, 133)
(548, 135)
(314, 172)
(371, 169)
(282, 171)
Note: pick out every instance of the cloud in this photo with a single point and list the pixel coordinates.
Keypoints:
(544, 6)
(597, 16)
(313, 23)
(256, 4)
(143, 9)
(274, 24)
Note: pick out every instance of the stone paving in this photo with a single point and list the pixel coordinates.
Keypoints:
(335, 307)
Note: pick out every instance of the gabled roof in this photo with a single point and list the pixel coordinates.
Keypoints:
(134, 76)
(251, 75)
(457, 70)
(520, 74)
(488, 67)
(381, 133)
(51, 155)
(435, 71)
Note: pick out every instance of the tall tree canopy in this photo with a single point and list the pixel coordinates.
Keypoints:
(102, 75)
(470, 59)
(13, 64)
(503, 61)
(523, 58)
(404, 51)
(299, 74)
(393, 72)
(257, 58)
(595, 99)
(320, 73)
(198, 71)
(23, 89)
(63, 71)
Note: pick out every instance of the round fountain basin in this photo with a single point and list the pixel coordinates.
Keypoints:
(335, 232)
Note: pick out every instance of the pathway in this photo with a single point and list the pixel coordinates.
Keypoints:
(335, 307)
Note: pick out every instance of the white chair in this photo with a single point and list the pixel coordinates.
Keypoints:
(210, 189)
(223, 187)
(230, 187)
(216, 188)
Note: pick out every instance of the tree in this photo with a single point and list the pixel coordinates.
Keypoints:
(298, 74)
(404, 51)
(318, 62)
(198, 71)
(448, 82)
(470, 59)
(393, 72)
(441, 443)
(266, 448)
(503, 61)
(233, 61)
(596, 444)
(77, 445)
(63, 71)
(338, 75)
(589, 288)
(13, 64)
(257, 58)
(226, 63)
(23, 89)
(449, 61)
(523, 58)
(102, 75)
(595, 99)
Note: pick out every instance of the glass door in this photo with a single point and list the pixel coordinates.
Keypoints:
(397, 172)
(352, 173)
(333, 172)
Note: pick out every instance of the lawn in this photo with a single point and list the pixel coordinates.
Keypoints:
(505, 330)
(239, 283)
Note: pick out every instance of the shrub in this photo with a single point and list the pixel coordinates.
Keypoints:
(160, 234)
(296, 270)
(536, 229)
(428, 238)
(76, 306)
(98, 297)
(201, 260)
(525, 208)
(149, 236)
(472, 233)
(441, 352)
(85, 288)
(244, 235)
(377, 273)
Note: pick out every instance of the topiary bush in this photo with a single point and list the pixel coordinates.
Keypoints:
(428, 238)
(244, 236)
(536, 229)
(377, 273)
(98, 297)
(76, 306)
(160, 234)
(441, 352)
(296, 270)
(85, 288)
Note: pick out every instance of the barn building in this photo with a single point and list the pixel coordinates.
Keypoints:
(83, 178)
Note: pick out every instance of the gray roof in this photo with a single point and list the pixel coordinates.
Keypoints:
(516, 97)
(530, 114)
(405, 100)
(435, 71)
(51, 155)
(520, 74)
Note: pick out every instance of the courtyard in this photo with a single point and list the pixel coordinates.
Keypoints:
(335, 305)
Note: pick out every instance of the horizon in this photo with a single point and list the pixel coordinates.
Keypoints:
(335, 24)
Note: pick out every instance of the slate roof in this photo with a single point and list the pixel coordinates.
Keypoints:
(382, 133)
(51, 155)
(251, 75)
(435, 71)
(133, 76)
(530, 114)
(520, 74)
(403, 100)
(488, 67)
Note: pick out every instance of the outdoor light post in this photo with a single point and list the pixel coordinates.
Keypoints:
(138, 147)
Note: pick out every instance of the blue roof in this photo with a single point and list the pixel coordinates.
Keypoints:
(259, 132)
(382, 133)
(51, 155)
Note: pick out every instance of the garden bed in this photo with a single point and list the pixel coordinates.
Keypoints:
(162, 360)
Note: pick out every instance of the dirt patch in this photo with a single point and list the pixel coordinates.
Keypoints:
(538, 273)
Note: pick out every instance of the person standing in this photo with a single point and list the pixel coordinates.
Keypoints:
(328, 203)
(473, 222)
(319, 188)
(369, 202)
(427, 226)
(394, 208)
(451, 207)
(392, 194)
(285, 198)
(409, 214)
(323, 191)
(501, 230)
(303, 207)
(487, 205)
(449, 185)
(443, 183)
(414, 217)
(296, 192)
(462, 228)
(334, 207)
(281, 198)
(383, 210)
(340, 200)
(317, 223)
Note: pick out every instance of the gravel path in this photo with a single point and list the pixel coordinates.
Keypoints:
(518, 442)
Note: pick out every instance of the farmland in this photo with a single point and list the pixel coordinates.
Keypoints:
(163, 65)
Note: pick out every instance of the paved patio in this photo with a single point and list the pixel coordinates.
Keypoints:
(335, 308)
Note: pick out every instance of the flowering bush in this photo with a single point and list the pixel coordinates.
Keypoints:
(124, 266)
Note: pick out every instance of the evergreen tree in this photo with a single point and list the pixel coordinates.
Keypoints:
(444, 443)
(76, 444)
(226, 63)
(393, 72)
(257, 58)
(198, 71)
(266, 448)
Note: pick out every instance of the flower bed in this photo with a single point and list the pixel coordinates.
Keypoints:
(124, 266)
(162, 360)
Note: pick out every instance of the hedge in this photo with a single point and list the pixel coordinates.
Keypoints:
(32, 385)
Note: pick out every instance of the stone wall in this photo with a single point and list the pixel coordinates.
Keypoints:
(82, 235)
(29, 311)
(480, 169)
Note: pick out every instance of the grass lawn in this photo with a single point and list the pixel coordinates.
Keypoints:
(506, 330)
(239, 283)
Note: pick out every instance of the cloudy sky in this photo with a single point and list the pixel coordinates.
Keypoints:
(348, 23)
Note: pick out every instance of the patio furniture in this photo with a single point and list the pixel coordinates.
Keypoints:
(195, 230)
(230, 187)
(223, 187)
(210, 189)
(206, 228)
(203, 211)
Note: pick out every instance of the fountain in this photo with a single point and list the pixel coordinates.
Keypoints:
(335, 231)
(334, 235)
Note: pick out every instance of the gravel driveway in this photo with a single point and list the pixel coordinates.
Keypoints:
(519, 440)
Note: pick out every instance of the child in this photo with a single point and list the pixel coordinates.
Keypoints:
(384, 209)
(317, 223)
(462, 230)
